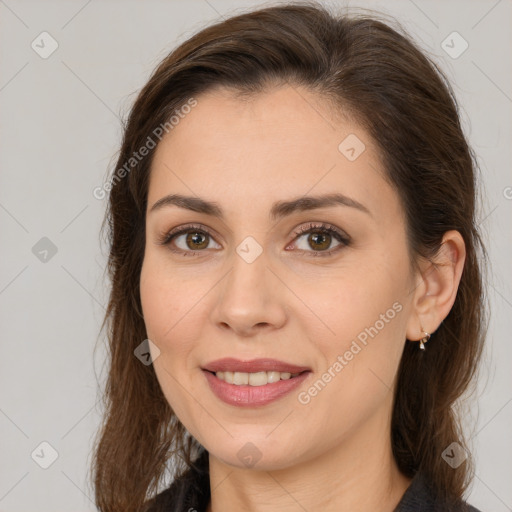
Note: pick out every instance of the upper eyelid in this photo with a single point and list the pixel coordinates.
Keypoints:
(180, 230)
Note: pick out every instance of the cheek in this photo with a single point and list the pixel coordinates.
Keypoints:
(172, 324)
(165, 305)
(175, 305)
(167, 299)
(157, 307)
(366, 312)
(360, 297)
(359, 365)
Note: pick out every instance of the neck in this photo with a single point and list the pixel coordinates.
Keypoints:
(357, 475)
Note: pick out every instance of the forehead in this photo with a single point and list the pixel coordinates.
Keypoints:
(282, 143)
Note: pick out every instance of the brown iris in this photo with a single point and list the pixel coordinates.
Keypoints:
(195, 238)
(322, 239)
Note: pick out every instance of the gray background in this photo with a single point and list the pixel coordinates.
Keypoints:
(59, 133)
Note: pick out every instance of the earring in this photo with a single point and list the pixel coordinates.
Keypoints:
(424, 340)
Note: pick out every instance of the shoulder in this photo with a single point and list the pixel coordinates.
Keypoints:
(190, 491)
(420, 497)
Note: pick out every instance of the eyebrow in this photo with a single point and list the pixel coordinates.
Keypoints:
(279, 209)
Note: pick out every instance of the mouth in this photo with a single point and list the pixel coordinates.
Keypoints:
(253, 389)
(261, 378)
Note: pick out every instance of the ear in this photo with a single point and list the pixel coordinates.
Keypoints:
(437, 283)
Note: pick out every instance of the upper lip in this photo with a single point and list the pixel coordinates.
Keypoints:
(230, 364)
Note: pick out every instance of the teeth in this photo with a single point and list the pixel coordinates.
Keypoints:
(253, 379)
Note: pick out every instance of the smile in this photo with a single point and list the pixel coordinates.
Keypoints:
(253, 389)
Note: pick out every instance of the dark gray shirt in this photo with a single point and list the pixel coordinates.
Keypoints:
(419, 497)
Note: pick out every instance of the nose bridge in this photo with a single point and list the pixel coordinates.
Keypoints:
(248, 277)
(248, 295)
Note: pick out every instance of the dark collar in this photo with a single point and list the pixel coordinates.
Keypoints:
(420, 497)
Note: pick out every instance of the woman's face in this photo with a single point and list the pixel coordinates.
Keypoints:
(243, 282)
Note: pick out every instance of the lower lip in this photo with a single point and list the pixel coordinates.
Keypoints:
(251, 396)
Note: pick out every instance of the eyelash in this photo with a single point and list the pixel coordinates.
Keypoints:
(311, 227)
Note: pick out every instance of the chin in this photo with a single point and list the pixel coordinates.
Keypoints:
(258, 455)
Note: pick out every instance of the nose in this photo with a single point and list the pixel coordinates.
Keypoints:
(250, 299)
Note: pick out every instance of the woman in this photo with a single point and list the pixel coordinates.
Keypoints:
(296, 299)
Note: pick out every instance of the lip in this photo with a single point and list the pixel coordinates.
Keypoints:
(253, 396)
(231, 364)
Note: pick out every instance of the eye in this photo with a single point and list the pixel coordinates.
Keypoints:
(191, 240)
(320, 238)
(188, 240)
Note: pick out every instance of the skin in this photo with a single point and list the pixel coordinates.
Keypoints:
(333, 453)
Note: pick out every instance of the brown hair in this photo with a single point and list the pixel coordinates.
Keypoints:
(404, 102)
